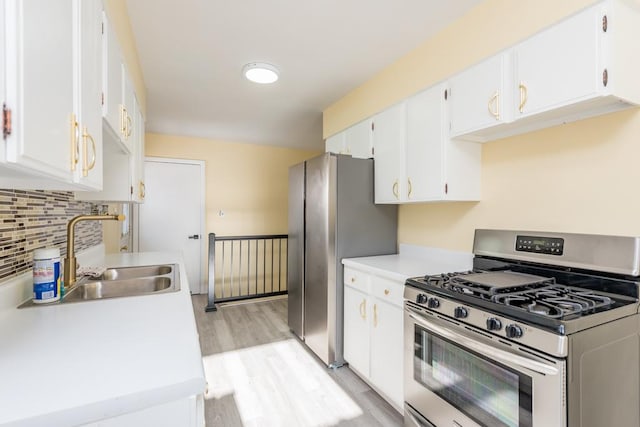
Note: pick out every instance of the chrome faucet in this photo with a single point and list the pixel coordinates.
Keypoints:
(70, 262)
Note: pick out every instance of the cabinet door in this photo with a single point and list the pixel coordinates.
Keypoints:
(481, 96)
(559, 65)
(137, 168)
(388, 143)
(386, 350)
(89, 90)
(112, 84)
(356, 330)
(335, 143)
(425, 144)
(40, 85)
(359, 140)
(129, 100)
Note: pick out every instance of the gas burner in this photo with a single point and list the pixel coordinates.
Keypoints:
(554, 301)
(536, 295)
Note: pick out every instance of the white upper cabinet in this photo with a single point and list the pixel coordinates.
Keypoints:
(562, 65)
(51, 95)
(112, 84)
(89, 120)
(356, 141)
(122, 130)
(359, 140)
(40, 87)
(116, 88)
(425, 150)
(138, 154)
(415, 160)
(336, 143)
(389, 129)
(583, 66)
(481, 97)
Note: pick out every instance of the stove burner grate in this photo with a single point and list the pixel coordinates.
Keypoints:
(538, 296)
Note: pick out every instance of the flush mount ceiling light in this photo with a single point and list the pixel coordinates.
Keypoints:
(259, 72)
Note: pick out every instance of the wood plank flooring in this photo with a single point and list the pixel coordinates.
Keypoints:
(259, 374)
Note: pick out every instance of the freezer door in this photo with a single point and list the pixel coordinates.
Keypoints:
(295, 250)
(320, 250)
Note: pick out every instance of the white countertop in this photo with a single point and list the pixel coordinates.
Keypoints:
(413, 261)
(70, 364)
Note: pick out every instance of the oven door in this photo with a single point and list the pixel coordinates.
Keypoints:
(457, 375)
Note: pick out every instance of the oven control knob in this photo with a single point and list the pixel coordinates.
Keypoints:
(460, 313)
(433, 303)
(421, 299)
(494, 324)
(513, 331)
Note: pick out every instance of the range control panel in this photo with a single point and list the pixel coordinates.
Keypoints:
(540, 245)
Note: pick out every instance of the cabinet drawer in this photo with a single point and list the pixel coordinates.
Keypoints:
(387, 290)
(356, 279)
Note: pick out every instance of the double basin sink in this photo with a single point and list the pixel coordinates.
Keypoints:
(122, 282)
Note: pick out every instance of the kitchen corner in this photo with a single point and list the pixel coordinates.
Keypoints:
(76, 364)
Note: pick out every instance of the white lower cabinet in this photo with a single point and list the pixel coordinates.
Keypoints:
(187, 412)
(373, 331)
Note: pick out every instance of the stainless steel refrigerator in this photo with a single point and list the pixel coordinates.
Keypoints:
(331, 216)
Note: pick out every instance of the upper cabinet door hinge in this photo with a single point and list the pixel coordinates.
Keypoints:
(131, 190)
(6, 121)
(102, 98)
(605, 23)
(373, 151)
(373, 126)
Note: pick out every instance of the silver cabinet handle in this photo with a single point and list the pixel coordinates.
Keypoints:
(482, 348)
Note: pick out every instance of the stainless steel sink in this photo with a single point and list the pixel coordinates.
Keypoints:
(122, 282)
(119, 288)
(122, 273)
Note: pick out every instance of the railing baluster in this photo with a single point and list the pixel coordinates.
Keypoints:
(223, 267)
(279, 263)
(235, 268)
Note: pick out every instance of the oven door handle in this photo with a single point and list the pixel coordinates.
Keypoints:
(482, 348)
(416, 418)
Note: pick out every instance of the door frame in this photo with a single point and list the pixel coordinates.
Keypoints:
(202, 230)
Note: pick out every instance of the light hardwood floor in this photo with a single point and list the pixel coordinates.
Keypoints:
(259, 374)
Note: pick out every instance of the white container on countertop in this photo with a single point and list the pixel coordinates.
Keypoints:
(46, 275)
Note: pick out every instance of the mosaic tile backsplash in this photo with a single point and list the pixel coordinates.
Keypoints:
(38, 219)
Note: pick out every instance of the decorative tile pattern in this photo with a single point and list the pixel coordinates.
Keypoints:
(33, 219)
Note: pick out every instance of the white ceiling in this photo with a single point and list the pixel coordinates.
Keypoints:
(192, 53)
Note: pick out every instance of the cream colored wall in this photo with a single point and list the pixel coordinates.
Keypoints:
(248, 182)
(578, 177)
(116, 10)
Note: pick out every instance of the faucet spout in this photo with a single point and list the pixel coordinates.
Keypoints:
(70, 262)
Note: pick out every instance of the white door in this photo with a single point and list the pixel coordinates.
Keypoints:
(172, 216)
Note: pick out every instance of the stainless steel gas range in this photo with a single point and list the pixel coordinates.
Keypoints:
(543, 332)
